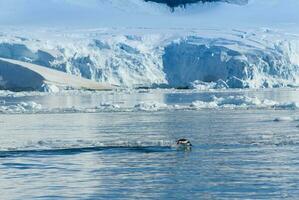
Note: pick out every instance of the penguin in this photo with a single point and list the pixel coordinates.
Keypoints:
(183, 144)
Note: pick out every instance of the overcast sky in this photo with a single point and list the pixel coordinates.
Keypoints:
(99, 13)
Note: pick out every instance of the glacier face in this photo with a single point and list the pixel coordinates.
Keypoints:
(171, 58)
(235, 63)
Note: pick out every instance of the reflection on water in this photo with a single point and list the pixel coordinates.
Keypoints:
(236, 154)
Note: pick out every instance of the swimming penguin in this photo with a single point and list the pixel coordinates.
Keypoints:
(183, 144)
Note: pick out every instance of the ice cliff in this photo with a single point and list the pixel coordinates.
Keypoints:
(172, 58)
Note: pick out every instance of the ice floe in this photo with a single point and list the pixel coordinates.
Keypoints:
(212, 103)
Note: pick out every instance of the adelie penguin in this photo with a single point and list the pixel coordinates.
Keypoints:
(183, 144)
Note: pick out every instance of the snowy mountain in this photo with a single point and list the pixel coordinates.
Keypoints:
(205, 45)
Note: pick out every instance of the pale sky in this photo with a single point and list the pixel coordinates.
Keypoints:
(136, 13)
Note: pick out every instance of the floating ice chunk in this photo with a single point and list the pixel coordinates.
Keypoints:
(200, 85)
(286, 105)
(242, 102)
(202, 104)
(22, 107)
(108, 106)
(214, 102)
(150, 106)
(51, 88)
(227, 102)
(237, 101)
(31, 105)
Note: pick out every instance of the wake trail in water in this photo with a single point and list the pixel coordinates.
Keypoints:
(51, 148)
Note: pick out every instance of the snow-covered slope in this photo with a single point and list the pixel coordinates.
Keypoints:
(173, 58)
(18, 75)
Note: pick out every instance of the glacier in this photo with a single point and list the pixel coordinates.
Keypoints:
(257, 58)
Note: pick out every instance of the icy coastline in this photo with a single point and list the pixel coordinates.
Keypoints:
(259, 58)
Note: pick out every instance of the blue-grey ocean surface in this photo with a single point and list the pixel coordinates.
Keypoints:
(120, 145)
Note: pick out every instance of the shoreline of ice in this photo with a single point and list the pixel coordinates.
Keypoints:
(231, 102)
(192, 58)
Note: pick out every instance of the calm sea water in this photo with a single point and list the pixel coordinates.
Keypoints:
(236, 153)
